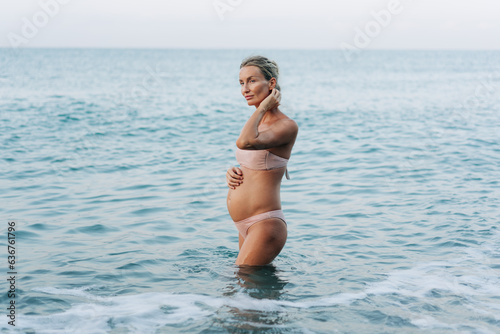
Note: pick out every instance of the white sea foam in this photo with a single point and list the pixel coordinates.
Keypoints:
(140, 313)
(467, 278)
(146, 312)
(76, 292)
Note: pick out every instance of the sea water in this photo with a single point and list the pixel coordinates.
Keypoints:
(113, 168)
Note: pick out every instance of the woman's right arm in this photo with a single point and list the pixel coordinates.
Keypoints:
(234, 177)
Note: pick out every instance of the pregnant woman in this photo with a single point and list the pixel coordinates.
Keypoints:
(263, 150)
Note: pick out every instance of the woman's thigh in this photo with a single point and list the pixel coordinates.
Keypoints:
(264, 241)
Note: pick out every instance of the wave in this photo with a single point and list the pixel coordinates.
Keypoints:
(146, 312)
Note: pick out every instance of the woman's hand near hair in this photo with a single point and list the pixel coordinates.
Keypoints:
(271, 101)
(234, 177)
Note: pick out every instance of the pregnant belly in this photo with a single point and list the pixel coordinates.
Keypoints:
(255, 194)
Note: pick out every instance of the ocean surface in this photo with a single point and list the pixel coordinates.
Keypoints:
(113, 168)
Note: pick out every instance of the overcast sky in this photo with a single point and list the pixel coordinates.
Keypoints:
(318, 24)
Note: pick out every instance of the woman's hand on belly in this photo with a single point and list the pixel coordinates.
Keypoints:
(234, 177)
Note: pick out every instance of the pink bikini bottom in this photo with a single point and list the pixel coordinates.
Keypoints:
(244, 225)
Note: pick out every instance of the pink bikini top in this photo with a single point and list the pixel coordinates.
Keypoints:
(260, 160)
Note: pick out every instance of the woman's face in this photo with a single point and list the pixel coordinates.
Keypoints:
(254, 86)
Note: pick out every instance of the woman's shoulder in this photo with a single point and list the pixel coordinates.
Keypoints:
(283, 121)
(289, 122)
(286, 126)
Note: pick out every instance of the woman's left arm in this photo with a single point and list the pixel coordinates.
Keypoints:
(280, 133)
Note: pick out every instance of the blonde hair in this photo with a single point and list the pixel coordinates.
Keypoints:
(269, 68)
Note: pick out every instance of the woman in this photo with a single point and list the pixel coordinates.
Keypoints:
(263, 149)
